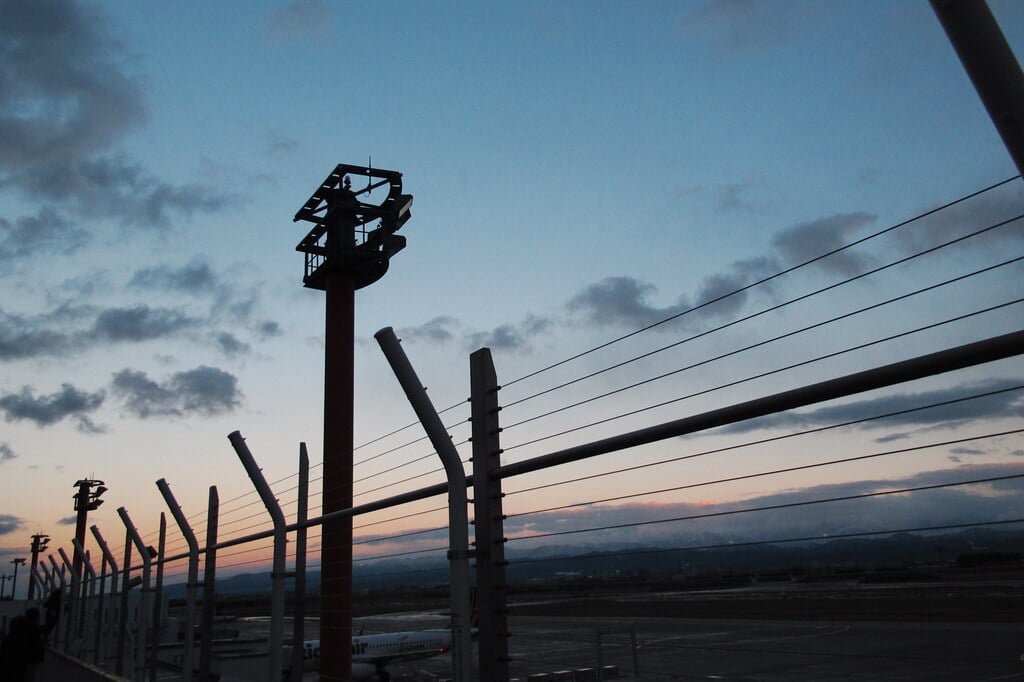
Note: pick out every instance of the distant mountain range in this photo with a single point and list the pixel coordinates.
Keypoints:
(575, 562)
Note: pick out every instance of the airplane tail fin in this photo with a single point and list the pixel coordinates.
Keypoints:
(474, 613)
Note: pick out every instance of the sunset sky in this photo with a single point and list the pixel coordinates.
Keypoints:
(580, 170)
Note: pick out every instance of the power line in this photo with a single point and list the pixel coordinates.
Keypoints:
(771, 439)
(779, 306)
(759, 282)
(771, 507)
(773, 472)
(779, 370)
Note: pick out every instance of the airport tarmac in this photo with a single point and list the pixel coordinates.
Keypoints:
(719, 649)
(684, 649)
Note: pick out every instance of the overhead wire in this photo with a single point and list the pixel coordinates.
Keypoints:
(764, 441)
(772, 472)
(761, 375)
(763, 280)
(797, 299)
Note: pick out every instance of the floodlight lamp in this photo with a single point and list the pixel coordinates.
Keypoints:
(99, 491)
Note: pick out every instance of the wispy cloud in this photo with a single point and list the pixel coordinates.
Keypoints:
(46, 410)
(9, 524)
(299, 20)
(69, 99)
(742, 26)
(6, 453)
(203, 391)
(1004, 405)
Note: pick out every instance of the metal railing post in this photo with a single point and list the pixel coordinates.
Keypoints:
(489, 528)
(72, 601)
(193, 576)
(122, 616)
(86, 597)
(299, 608)
(280, 539)
(458, 515)
(58, 575)
(143, 620)
(158, 595)
(104, 623)
(209, 585)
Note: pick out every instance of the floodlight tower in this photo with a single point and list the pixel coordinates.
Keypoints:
(39, 543)
(20, 561)
(87, 499)
(348, 248)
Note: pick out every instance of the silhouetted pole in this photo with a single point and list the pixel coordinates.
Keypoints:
(344, 254)
(991, 66)
(336, 559)
(14, 585)
(39, 542)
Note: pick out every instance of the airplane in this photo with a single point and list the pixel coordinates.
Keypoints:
(371, 654)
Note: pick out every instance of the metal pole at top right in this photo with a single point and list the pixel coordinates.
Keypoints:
(991, 66)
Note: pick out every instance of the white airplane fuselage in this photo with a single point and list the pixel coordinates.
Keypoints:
(372, 653)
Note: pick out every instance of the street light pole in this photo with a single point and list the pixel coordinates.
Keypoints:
(86, 500)
(14, 583)
(39, 543)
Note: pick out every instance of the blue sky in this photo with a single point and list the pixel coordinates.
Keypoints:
(579, 170)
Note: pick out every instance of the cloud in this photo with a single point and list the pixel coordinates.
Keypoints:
(299, 20)
(438, 330)
(1008, 404)
(46, 233)
(23, 337)
(268, 329)
(621, 301)
(195, 277)
(203, 391)
(714, 523)
(68, 100)
(740, 26)
(230, 345)
(9, 524)
(140, 323)
(46, 410)
(6, 453)
(68, 521)
(509, 337)
(804, 241)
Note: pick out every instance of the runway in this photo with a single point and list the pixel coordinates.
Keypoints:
(709, 649)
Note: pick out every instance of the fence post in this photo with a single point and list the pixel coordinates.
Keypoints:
(158, 595)
(299, 600)
(458, 523)
(57, 574)
(209, 588)
(143, 620)
(108, 558)
(193, 577)
(73, 603)
(280, 539)
(86, 596)
(492, 592)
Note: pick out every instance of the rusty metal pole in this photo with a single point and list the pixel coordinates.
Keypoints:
(336, 560)
(193, 574)
(277, 575)
(344, 252)
(458, 523)
(299, 608)
(991, 66)
(106, 620)
(209, 584)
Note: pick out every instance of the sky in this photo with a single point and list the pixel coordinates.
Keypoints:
(580, 171)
